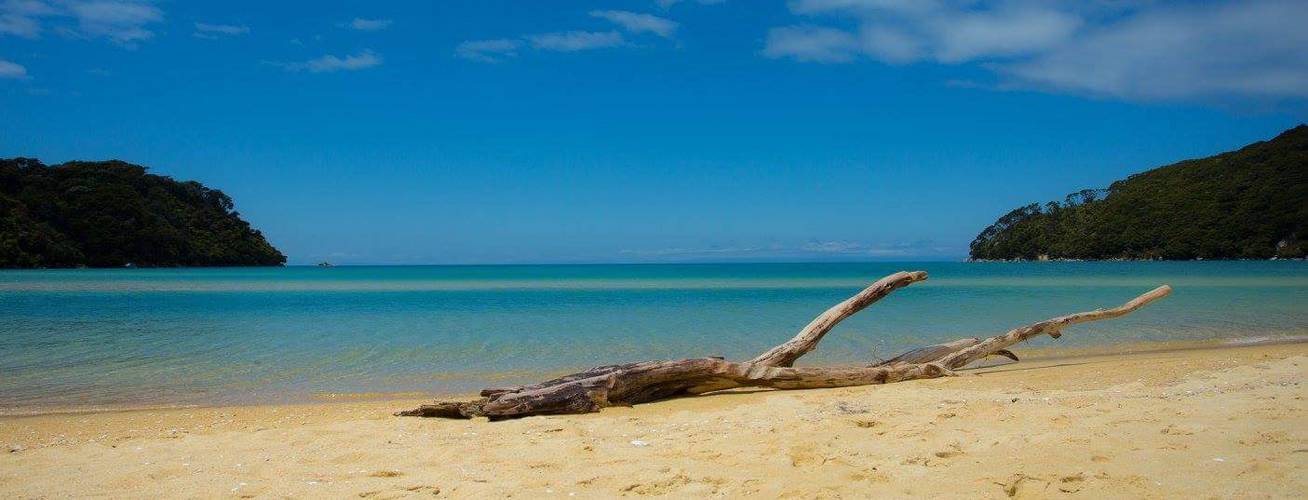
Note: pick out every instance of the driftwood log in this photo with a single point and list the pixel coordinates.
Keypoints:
(633, 383)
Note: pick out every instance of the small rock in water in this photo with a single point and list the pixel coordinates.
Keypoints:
(637, 442)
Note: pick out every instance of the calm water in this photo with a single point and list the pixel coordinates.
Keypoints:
(139, 337)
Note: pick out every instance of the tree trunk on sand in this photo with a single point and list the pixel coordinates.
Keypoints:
(633, 383)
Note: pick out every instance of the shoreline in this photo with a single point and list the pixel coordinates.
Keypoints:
(1065, 259)
(1208, 421)
(1030, 354)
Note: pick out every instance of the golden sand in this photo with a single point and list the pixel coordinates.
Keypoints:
(1216, 422)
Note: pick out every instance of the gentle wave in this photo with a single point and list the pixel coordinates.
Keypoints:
(1266, 339)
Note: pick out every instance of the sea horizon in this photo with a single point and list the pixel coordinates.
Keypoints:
(908, 260)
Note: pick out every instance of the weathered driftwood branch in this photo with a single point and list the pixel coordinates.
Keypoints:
(933, 352)
(1052, 327)
(633, 383)
(807, 338)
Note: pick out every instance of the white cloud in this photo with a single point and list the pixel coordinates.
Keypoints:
(30, 8)
(25, 27)
(1133, 50)
(19, 17)
(499, 49)
(890, 44)
(489, 51)
(370, 24)
(125, 22)
(213, 31)
(12, 70)
(1004, 32)
(638, 23)
(1257, 49)
(573, 41)
(896, 31)
(811, 44)
(330, 63)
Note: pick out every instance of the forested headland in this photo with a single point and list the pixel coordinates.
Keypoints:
(114, 214)
(1246, 204)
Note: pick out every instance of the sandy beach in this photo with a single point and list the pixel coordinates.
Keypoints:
(1199, 422)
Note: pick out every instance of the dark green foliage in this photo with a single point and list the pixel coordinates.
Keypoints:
(113, 214)
(1246, 204)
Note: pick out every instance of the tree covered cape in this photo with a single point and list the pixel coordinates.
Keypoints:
(113, 214)
(1245, 204)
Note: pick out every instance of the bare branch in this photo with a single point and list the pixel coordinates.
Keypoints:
(634, 383)
(807, 339)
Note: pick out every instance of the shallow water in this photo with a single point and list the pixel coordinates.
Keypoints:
(80, 338)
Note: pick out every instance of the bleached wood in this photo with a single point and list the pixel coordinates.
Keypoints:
(807, 338)
(634, 383)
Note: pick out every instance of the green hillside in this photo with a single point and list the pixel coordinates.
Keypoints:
(113, 214)
(1245, 204)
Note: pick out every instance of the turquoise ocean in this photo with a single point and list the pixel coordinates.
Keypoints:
(146, 337)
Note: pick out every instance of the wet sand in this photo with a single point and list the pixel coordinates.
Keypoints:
(1204, 422)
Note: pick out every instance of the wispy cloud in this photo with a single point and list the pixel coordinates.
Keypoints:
(1130, 50)
(811, 44)
(19, 17)
(330, 63)
(948, 32)
(1242, 48)
(637, 23)
(573, 41)
(498, 49)
(362, 24)
(125, 22)
(25, 27)
(214, 31)
(489, 51)
(13, 71)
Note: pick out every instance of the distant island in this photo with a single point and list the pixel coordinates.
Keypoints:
(115, 214)
(1245, 204)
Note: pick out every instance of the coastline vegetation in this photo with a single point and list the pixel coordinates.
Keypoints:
(115, 214)
(1245, 204)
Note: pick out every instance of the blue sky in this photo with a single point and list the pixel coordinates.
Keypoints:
(643, 131)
